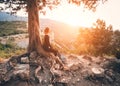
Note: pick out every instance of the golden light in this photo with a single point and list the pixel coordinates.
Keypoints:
(72, 14)
(68, 13)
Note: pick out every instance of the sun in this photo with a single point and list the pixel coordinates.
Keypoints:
(69, 14)
(72, 15)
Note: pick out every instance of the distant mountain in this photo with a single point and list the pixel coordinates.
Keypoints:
(62, 31)
(8, 17)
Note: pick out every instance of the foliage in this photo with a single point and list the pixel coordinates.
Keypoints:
(16, 5)
(82, 43)
(9, 49)
(95, 41)
(115, 42)
(12, 28)
(102, 36)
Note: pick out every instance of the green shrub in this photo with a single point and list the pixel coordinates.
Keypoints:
(10, 49)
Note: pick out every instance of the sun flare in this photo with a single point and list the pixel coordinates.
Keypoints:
(69, 14)
(72, 15)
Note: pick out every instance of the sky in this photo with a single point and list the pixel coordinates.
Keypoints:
(78, 16)
(110, 12)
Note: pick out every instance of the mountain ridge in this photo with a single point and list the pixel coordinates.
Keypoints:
(62, 31)
(4, 16)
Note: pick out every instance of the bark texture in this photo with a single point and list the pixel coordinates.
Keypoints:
(34, 28)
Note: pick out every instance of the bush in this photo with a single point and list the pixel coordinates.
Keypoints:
(9, 49)
(95, 41)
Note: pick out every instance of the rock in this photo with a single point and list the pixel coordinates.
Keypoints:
(50, 85)
(13, 61)
(21, 69)
(72, 56)
(45, 71)
(24, 60)
(78, 80)
(97, 70)
(57, 72)
(60, 84)
(63, 58)
(11, 68)
(114, 65)
(87, 58)
(3, 68)
(23, 76)
(109, 79)
(117, 55)
(74, 67)
(33, 55)
(5, 71)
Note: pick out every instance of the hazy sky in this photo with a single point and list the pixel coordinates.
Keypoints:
(110, 12)
(77, 16)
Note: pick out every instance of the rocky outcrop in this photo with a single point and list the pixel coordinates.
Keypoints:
(36, 70)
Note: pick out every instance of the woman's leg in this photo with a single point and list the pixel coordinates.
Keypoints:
(55, 52)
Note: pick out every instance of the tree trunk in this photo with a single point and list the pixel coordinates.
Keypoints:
(34, 28)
